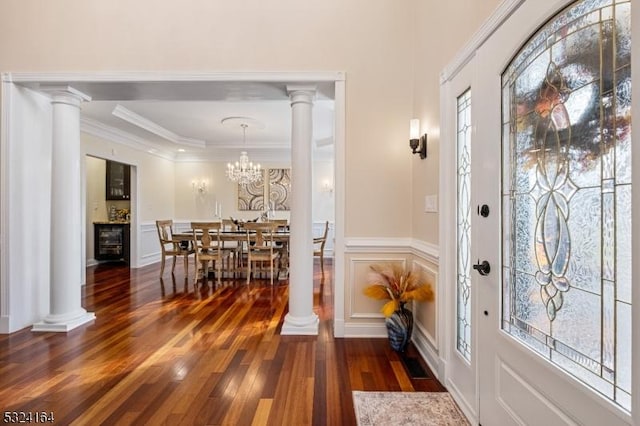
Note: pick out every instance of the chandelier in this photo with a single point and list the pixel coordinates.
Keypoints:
(244, 171)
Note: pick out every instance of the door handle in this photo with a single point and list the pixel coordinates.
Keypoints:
(483, 268)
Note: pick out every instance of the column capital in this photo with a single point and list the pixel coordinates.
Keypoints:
(65, 94)
(301, 92)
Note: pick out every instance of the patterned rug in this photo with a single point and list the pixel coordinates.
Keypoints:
(406, 408)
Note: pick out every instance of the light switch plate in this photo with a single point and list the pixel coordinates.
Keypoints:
(431, 204)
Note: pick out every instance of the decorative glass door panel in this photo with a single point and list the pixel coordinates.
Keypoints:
(566, 195)
(463, 289)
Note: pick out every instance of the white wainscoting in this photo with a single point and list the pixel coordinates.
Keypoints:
(419, 254)
(368, 323)
(426, 342)
(149, 245)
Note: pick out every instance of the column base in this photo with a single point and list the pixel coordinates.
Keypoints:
(297, 326)
(57, 325)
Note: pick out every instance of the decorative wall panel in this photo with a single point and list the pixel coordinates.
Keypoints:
(279, 188)
(251, 196)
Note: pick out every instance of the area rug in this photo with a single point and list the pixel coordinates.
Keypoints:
(406, 408)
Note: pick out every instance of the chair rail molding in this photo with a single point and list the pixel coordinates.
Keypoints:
(377, 245)
(413, 246)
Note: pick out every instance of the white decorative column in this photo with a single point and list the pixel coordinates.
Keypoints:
(65, 304)
(301, 320)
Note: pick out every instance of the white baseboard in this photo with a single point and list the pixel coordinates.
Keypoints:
(365, 330)
(149, 259)
(4, 325)
(468, 411)
(92, 262)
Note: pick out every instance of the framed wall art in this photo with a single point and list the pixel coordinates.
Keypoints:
(251, 195)
(279, 189)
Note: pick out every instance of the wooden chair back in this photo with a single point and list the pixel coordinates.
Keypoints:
(206, 238)
(260, 245)
(165, 232)
(171, 246)
(260, 234)
(319, 251)
(323, 239)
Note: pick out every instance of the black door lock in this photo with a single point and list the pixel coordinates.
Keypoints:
(484, 210)
(483, 268)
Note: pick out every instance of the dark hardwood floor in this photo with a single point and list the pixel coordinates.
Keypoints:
(164, 352)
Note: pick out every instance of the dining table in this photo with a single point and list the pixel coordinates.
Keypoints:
(280, 236)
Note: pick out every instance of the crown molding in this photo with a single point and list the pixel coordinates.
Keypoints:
(118, 136)
(56, 90)
(153, 127)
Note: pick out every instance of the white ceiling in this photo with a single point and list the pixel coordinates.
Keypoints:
(183, 120)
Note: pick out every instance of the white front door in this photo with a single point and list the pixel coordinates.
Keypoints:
(551, 159)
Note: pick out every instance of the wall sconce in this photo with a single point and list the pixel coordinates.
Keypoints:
(199, 186)
(417, 143)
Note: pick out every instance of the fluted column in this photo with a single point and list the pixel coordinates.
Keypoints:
(65, 304)
(301, 320)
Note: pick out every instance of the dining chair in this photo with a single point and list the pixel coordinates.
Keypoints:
(206, 240)
(232, 245)
(281, 225)
(318, 246)
(260, 246)
(172, 247)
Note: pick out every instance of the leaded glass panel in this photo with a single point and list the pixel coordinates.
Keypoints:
(464, 225)
(567, 195)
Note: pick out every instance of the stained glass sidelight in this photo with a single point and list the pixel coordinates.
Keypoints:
(566, 195)
(464, 225)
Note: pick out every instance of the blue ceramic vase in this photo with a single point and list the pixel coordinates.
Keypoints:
(399, 328)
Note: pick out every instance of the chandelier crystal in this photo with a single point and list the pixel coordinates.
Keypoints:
(244, 171)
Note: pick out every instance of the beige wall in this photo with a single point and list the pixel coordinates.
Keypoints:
(369, 40)
(97, 207)
(322, 196)
(151, 177)
(444, 28)
(192, 204)
(95, 171)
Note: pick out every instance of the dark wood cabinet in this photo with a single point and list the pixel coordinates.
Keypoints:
(111, 241)
(118, 181)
